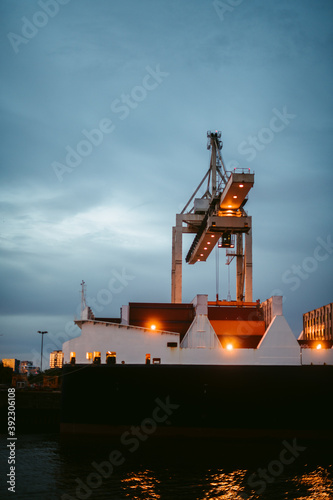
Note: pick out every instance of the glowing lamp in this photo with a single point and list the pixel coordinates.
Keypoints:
(241, 185)
(230, 347)
(318, 346)
(153, 327)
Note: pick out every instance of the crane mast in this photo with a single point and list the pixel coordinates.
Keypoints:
(218, 216)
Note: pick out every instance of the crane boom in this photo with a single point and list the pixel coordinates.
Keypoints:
(219, 213)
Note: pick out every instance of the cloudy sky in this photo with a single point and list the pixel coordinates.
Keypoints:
(105, 106)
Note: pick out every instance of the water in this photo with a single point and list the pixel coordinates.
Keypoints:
(48, 467)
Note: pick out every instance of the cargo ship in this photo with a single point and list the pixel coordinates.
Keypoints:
(217, 368)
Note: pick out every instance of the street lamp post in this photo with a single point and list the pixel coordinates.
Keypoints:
(41, 352)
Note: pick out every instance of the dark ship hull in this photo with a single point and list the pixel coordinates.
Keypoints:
(134, 401)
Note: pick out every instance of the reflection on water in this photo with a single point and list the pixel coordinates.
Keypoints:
(226, 485)
(50, 468)
(142, 483)
(316, 483)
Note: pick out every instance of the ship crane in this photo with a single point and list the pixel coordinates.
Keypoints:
(218, 216)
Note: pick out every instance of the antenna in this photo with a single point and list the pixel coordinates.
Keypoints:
(83, 296)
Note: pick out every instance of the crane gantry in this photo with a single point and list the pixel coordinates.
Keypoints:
(218, 216)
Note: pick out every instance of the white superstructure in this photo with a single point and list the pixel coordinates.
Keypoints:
(200, 345)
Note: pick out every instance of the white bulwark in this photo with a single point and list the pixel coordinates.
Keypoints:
(103, 342)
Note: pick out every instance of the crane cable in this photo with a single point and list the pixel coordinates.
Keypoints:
(217, 273)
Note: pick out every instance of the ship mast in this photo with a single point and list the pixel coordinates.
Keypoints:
(83, 296)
